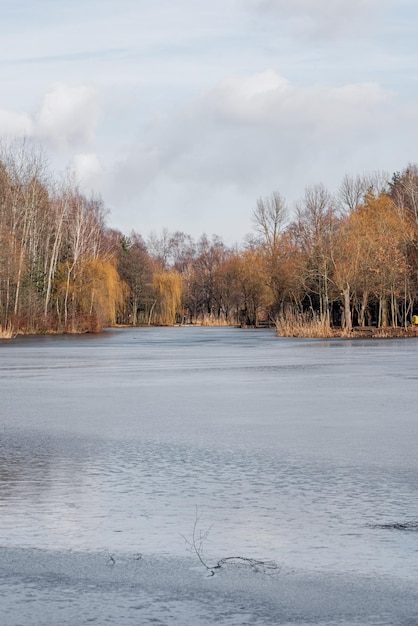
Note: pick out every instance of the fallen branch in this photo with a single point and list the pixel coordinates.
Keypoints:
(196, 545)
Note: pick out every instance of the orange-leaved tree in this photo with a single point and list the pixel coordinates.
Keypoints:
(168, 289)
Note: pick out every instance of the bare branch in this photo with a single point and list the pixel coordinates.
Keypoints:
(270, 217)
(196, 544)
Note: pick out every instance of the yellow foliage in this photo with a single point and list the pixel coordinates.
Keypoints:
(103, 291)
(169, 289)
(91, 288)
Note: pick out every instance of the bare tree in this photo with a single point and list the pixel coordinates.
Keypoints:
(378, 182)
(270, 217)
(351, 192)
(315, 226)
(354, 189)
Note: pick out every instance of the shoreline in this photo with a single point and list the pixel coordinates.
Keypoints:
(357, 332)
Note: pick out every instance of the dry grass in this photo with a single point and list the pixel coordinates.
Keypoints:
(6, 332)
(302, 325)
(386, 332)
(310, 326)
(211, 320)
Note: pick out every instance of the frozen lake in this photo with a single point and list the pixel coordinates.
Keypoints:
(299, 451)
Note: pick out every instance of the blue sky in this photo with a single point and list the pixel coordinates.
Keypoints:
(181, 114)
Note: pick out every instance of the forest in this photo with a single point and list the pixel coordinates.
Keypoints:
(333, 263)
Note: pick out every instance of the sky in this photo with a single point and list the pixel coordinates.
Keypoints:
(181, 115)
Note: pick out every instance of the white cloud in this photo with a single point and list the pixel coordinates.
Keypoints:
(68, 115)
(13, 124)
(66, 118)
(244, 138)
(86, 167)
(268, 101)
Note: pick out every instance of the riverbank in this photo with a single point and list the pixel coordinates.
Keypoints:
(372, 331)
(357, 332)
(306, 332)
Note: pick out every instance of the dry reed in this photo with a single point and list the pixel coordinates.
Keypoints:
(7, 332)
(212, 320)
(302, 325)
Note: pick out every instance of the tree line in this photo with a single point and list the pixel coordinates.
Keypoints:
(342, 260)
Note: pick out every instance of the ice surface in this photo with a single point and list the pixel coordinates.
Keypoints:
(301, 451)
(68, 588)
